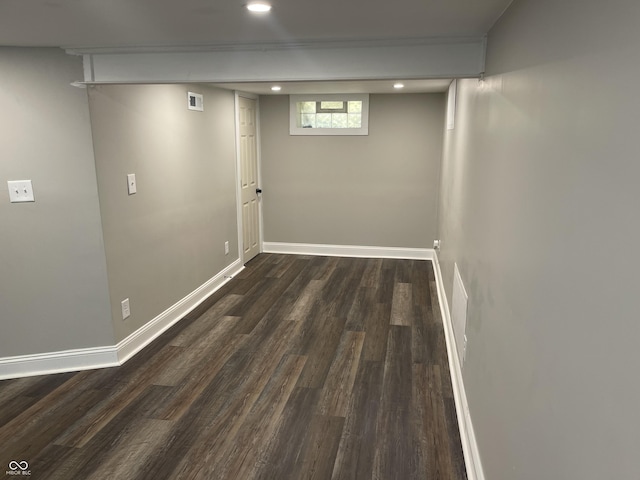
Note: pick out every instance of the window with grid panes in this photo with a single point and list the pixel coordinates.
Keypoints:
(329, 114)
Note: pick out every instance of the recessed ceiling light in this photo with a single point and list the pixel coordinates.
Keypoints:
(258, 7)
(276, 88)
(398, 86)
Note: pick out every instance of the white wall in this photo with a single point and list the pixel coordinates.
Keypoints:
(539, 209)
(53, 281)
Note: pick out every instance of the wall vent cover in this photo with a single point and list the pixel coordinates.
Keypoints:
(459, 314)
(195, 101)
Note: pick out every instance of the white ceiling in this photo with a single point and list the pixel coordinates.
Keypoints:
(158, 23)
(110, 25)
(373, 86)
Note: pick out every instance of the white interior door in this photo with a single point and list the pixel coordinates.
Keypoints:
(249, 188)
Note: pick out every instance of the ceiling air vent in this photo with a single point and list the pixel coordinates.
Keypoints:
(196, 102)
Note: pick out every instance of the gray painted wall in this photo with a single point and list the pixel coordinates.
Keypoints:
(53, 286)
(168, 239)
(378, 190)
(539, 207)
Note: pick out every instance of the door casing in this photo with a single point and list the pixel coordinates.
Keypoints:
(250, 96)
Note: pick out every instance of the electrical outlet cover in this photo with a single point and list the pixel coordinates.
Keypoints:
(126, 310)
(131, 183)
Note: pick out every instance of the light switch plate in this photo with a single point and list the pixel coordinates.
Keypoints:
(131, 183)
(20, 191)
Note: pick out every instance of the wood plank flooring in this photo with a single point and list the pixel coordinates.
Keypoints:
(299, 368)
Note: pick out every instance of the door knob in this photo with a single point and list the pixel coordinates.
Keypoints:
(258, 190)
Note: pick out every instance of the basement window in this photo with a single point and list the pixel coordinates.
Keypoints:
(329, 114)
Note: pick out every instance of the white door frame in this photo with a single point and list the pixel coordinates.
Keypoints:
(252, 96)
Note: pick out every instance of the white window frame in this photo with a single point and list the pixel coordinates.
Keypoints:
(293, 124)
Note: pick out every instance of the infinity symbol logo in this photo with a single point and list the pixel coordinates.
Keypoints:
(13, 465)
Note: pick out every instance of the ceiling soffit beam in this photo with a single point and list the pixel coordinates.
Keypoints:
(362, 60)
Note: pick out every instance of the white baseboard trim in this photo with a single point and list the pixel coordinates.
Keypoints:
(115, 355)
(348, 251)
(156, 327)
(110, 356)
(58, 362)
(467, 434)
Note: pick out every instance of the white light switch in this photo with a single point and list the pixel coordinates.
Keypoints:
(131, 183)
(20, 191)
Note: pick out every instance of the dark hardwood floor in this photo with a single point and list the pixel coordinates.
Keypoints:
(299, 368)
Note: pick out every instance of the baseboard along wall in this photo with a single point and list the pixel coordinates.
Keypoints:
(111, 356)
(467, 434)
(465, 425)
(114, 355)
(348, 251)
